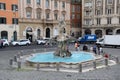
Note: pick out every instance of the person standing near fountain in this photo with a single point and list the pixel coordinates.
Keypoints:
(77, 46)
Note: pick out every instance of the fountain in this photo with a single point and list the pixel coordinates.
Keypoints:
(62, 38)
(62, 53)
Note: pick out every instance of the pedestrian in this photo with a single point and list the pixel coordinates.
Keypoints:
(85, 47)
(76, 46)
(91, 49)
(101, 49)
(94, 49)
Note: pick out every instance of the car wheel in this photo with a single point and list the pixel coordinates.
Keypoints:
(6, 45)
(27, 44)
(17, 45)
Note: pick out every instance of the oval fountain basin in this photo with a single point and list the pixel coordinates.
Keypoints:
(77, 56)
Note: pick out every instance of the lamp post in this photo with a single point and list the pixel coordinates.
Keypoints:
(15, 22)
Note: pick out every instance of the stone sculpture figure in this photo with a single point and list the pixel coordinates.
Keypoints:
(62, 50)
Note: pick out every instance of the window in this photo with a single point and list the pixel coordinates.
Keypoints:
(108, 20)
(14, 21)
(14, 7)
(38, 15)
(56, 16)
(78, 25)
(55, 4)
(47, 16)
(78, 8)
(87, 21)
(109, 11)
(47, 3)
(73, 24)
(28, 14)
(2, 6)
(98, 12)
(38, 2)
(63, 4)
(98, 21)
(63, 16)
(73, 16)
(78, 16)
(2, 20)
(109, 1)
(88, 13)
(99, 3)
(28, 1)
(73, 8)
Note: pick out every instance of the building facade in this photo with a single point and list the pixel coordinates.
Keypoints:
(40, 18)
(9, 28)
(101, 17)
(76, 18)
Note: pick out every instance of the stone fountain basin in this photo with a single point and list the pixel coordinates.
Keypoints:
(47, 59)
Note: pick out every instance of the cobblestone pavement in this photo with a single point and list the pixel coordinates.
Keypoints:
(6, 73)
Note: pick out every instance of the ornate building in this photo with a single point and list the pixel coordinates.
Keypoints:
(101, 17)
(9, 28)
(39, 18)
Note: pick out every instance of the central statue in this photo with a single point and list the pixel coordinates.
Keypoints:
(62, 38)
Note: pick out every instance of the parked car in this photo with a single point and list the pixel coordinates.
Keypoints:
(4, 42)
(41, 41)
(21, 42)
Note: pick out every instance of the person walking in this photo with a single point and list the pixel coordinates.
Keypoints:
(94, 49)
(101, 50)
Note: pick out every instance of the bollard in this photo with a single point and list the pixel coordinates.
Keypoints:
(106, 62)
(19, 65)
(11, 62)
(57, 66)
(117, 60)
(18, 55)
(80, 67)
(21, 52)
(94, 64)
(38, 66)
(15, 58)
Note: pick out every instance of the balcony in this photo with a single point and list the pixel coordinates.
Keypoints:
(29, 20)
(47, 21)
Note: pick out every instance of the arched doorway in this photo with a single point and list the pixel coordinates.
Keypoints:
(4, 35)
(38, 33)
(98, 33)
(15, 35)
(29, 33)
(118, 31)
(47, 33)
(109, 32)
(87, 31)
